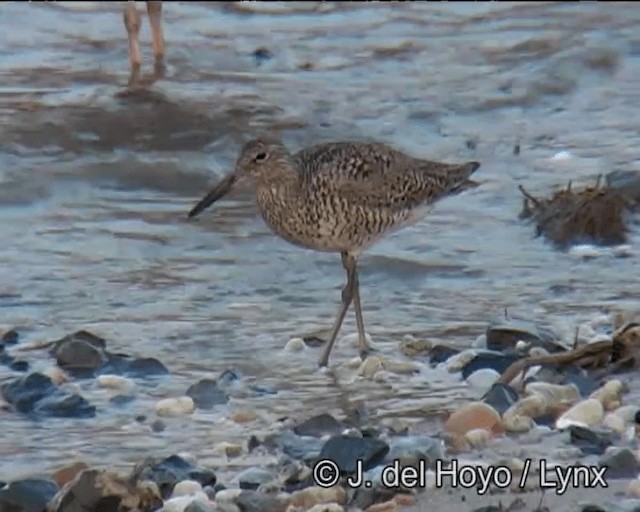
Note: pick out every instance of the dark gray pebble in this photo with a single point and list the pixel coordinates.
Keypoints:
(28, 495)
(346, 451)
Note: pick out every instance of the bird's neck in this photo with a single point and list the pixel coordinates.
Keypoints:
(283, 174)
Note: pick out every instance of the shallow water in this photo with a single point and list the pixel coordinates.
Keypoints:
(95, 189)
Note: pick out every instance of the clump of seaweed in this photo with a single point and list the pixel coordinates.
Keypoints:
(594, 214)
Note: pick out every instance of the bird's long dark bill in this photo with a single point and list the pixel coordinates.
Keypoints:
(214, 194)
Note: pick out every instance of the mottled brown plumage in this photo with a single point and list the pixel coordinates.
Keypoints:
(340, 197)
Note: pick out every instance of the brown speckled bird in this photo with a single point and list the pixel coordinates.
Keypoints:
(133, 22)
(340, 197)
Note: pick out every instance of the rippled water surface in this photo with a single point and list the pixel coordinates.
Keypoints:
(95, 188)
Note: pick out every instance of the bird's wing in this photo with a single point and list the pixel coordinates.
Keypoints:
(378, 176)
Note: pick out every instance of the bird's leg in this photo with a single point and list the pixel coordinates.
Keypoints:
(154, 10)
(348, 263)
(363, 346)
(132, 22)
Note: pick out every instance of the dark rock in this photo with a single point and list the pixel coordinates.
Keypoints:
(80, 352)
(19, 366)
(136, 368)
(500, 397)
(592, 508)
(65, 405)
(167, 472)
(260, 390)
(25, 392)
(318, 426)
(206, 394)
(503, 334)
(227, 378)
(493, 360)
(37, 395)
(6, 359)
(588, 440)
(252, 478)
(621, 463)
(10, 338)
(94, 490)
(254, 501)
(158, 426)
(440, 353)
(262, 55)
(346, 451)
(636, 418)
(300, 448)
(364, 497)
(28, 495)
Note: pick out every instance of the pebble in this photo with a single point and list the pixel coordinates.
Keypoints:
(615, 422)
(252, 478)
(227, 449)
(244, 416)
(478, 438)
(609, 395)
(483, 379)
(330, 507)
(456, 362)
(295, 345)
(412, 347)
(315, 495)
(56, 375)
(185, 488)
(180, 503)
(370, 366)
(500, 397)
(401, 367)
(67, 473)
(206, 394)
(122, 384)
(554, 393)
(347, 451)
(472, 416)
(633, 488)
(319, 425)
(174, 407)
(519, 417)
(588, 412)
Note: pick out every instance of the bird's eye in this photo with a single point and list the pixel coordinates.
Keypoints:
(261, 156)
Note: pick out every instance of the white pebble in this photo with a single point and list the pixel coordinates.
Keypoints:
(623, 251)
(615, 422)
(456, 362)
(182, 502)
(587, 413)
(186, 487)
(480, 341)
(115, 382)
(56, 375)
(562, 155)
(585, 251)
(483, 379)
(295, 345)
(172, 407)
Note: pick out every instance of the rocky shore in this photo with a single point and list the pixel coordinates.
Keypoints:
(533, 438)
